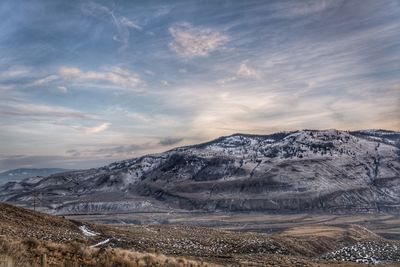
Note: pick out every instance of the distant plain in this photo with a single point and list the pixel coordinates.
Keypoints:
(385, 225)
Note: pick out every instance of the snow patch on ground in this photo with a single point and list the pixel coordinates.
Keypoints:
(367, 253)
(86, 231)
(101, 243)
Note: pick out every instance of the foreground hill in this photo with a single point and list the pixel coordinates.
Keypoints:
(301, 171)
(27, 237)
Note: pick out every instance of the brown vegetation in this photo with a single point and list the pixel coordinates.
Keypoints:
(30, 252)
(25, 236)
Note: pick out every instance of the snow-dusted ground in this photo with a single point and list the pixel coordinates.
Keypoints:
(87, 232)
(90, 233)
(101, 243)
(102, 206)
(368, 253)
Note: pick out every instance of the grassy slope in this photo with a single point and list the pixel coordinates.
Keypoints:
(26, 235)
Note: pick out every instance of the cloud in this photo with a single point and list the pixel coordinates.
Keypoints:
(122, 24)
(24, 77)
(3, 157)
(15, 72)
(44, 80)
(220, 111)
(142, 117)
(110, 151)
(69, 72)
(13, 162)
(304, 8)
(169, 141)
(122, 151)
(244, 71)
(248, 72)
(123, 21)
(162, 11)
(28, 110)
(117, 76)
(97, 129)
(73, 152)
(62, 89)
(192, 41)
(226, 80)
(154, 119)
(51, 161)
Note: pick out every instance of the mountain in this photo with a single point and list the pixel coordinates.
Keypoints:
(22, 173)
(287, 172)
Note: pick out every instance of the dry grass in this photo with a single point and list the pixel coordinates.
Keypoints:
(312, 241)
(26, 253)
(26, 235)
(321, 231)
(23, 223)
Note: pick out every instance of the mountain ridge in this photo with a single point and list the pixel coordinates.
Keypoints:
(297, 171)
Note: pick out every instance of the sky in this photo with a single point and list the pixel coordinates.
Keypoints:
(86, 83)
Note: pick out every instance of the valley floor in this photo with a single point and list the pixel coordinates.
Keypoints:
(386, 225)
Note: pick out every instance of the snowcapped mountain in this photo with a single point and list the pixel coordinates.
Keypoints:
(300, 171)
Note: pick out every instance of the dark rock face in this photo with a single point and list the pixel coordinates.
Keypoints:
(302, 171)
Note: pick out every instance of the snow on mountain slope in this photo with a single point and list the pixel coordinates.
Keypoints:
(309, 170)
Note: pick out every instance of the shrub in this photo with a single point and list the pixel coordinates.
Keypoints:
(32, 243)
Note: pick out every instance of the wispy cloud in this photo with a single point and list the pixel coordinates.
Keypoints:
(49, 161)
(21, 161)
(44, 80)
(153, 119)
(97, 129)
(15, 72)
(62, 89)
(122, 24)
(107, 152)
(162, 11)
(192, 41)
(84, 129)
(244, 71)
(28, 110)
(227, 80)
(125, 150)
(305, 8)
(24, 77)
(248, 72)
(117, 76)
(168, 141)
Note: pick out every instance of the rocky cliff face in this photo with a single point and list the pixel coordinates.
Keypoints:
(302, 171)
